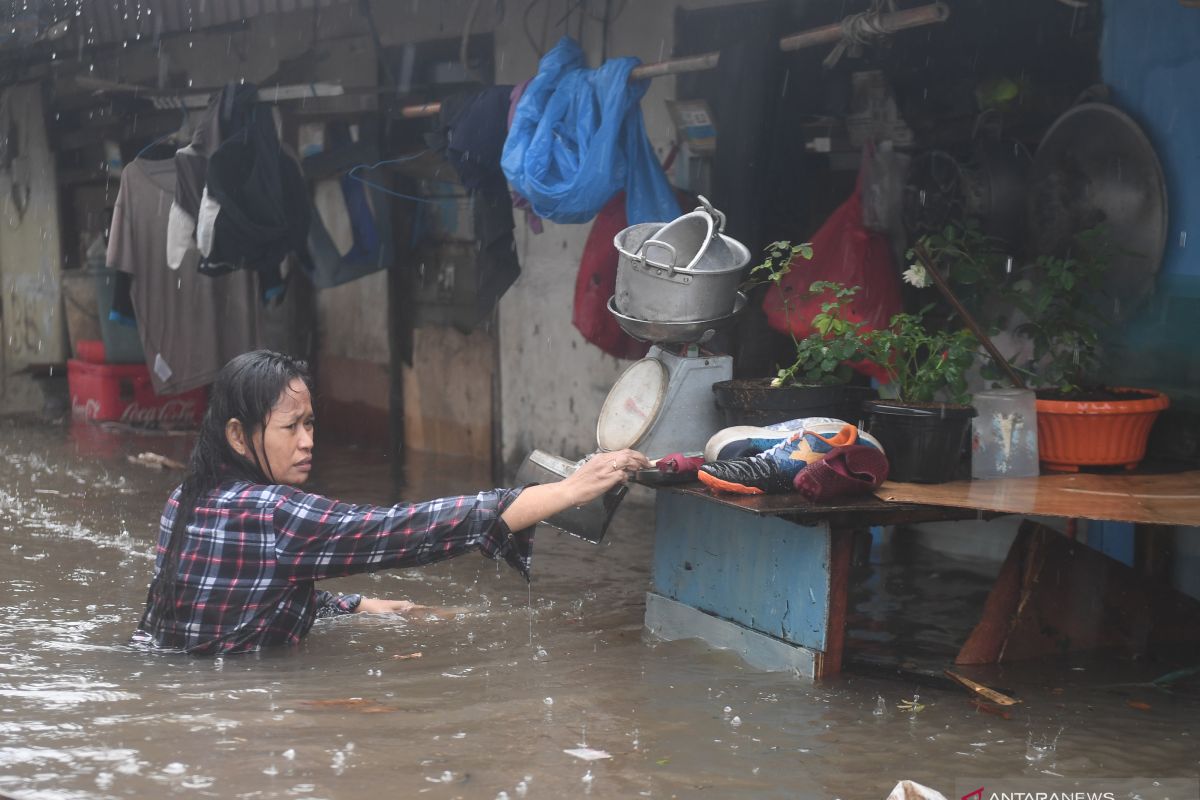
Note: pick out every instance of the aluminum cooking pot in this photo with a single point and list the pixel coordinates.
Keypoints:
(659, 283)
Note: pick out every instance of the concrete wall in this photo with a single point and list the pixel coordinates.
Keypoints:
(552, 382)
(32, 326)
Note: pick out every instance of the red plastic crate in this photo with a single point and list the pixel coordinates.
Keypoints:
(124, 393)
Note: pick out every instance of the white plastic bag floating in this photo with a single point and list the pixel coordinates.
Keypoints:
(909, 790)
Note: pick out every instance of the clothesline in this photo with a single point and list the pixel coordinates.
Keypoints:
(826, 34)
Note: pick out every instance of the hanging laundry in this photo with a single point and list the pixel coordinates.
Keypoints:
(254, 207)
(471, 132)
(577, 137)
(228, 111)
(350, 232)
(190, 325)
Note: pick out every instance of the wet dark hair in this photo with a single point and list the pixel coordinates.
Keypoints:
(246, 389)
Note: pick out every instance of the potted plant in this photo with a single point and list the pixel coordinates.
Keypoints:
(818, 381)
(925, 424)
(1052, 303)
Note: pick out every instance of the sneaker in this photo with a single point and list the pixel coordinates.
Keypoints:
(750, 440)
(774, 470)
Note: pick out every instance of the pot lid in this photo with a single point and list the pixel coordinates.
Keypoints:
(632, 406)
(1096, 166)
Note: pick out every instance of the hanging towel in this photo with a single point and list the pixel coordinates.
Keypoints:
(470, 132)
(577, 137)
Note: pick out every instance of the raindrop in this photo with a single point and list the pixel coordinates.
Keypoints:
(1183, 238)
(1008, 265)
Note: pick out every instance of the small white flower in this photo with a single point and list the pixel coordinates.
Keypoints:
(916, 276)
(776, 383)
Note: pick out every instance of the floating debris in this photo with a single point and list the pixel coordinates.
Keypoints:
(988, 694)
(155, 461)
(587, 753)
(360, 704)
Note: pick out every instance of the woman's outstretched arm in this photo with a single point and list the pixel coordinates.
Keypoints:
(595, 477)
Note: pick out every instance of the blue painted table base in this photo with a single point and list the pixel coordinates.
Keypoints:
(772, 590)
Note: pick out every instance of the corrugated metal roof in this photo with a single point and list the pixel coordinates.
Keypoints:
(107, 21)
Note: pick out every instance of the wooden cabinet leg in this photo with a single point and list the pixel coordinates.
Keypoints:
(841, 548)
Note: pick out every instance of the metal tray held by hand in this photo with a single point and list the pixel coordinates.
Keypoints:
(588, 522)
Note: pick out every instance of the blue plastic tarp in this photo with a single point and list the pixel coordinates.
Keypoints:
(577, 137)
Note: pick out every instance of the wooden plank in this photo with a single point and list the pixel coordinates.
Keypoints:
(829, 661)
(1169, 499)
(670, 620)
(773, 576)
(448, 393)
(861, 511)
(1053, 596)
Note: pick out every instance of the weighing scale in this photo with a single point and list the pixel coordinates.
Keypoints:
(664, 404)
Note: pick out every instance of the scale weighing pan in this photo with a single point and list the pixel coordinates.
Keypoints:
(697, 332)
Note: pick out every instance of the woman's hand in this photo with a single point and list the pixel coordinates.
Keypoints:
(374, 605)
(602, 472)
(593, 478)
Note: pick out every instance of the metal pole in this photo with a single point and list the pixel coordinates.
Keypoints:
(826, 34)
(896, 21)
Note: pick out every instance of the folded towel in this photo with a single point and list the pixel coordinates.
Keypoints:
(842, 472)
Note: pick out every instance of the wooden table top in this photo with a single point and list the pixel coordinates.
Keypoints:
(859, 511)
(1159, 499)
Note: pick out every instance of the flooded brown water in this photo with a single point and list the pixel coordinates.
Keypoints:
(499, 692)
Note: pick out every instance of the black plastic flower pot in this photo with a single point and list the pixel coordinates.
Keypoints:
(924, 444)
(756, 402)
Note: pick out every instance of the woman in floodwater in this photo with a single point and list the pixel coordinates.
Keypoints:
(241, 546)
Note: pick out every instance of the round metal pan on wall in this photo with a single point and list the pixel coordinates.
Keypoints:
(1093, 167)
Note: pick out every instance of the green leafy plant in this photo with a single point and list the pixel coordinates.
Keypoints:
(1050, 299)
(925, 364)
(823, 357)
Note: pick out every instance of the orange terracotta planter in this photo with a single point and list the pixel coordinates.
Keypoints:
(1093, 433)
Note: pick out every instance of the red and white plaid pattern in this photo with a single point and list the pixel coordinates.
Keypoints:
(252, 553)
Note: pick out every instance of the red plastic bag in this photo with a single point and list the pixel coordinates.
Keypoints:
(596, 282)
(845, 252)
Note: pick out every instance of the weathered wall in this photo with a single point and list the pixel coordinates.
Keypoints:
(1151, 60)
(30, 259)
(552, 382)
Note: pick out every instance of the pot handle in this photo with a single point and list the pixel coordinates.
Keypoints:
(641, 256)
(707, 207)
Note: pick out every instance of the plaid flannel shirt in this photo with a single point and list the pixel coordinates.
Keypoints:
(252, 552)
